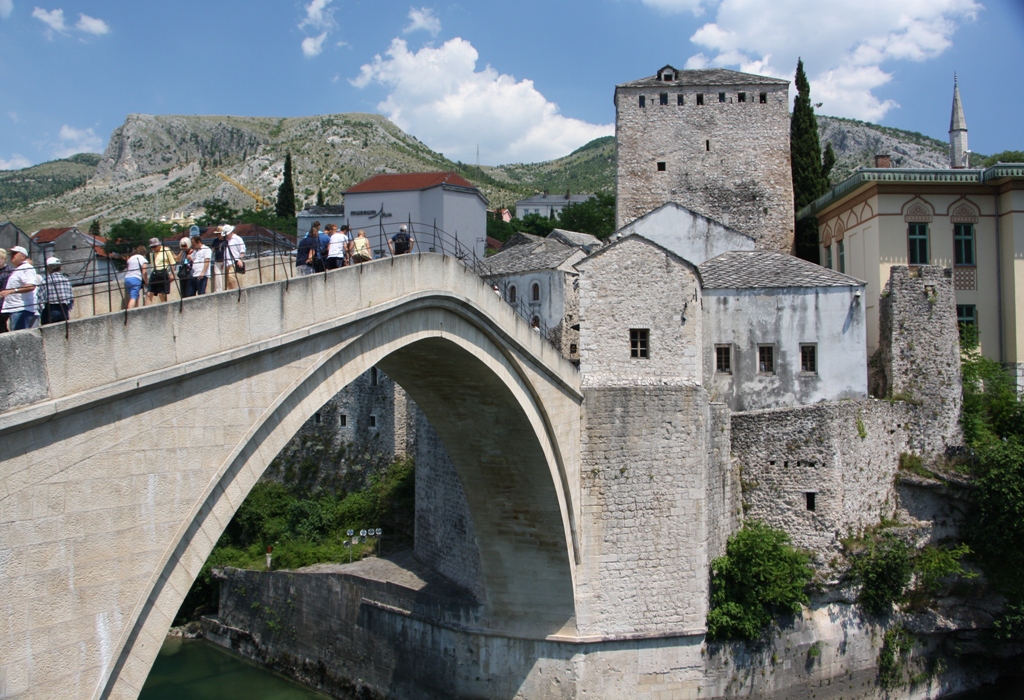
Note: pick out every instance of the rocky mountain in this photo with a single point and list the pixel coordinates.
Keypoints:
(164, 165)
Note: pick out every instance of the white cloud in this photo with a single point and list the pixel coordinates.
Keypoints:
(54, 19)
(438, 95)
(74, 141)
(423, 19)
(6, 8)
(91, 25)
(17, 162)
(13, 116)
(313, 45)
(847, 46)
(677, 6)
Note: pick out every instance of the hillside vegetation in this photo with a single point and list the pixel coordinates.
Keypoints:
(161, 165)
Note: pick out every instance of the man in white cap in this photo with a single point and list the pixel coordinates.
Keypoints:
(19, 296)
(54, 296)
(234, 255)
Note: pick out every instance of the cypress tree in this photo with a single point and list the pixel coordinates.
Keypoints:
(286, 192)
(94, 228)
(810, 176)
(320, 198)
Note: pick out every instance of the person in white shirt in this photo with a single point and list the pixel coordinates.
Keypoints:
(338, 246)
(135, 276)
(19, 296)
(201, 257)
(234, 254)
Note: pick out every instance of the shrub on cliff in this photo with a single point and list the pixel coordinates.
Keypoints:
(760, 576)
(884, 571)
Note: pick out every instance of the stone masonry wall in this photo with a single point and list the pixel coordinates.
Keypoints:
(846, 454)
(723, 482)
(728, 161)
(919, 347)
(446, 540)
(643, 511)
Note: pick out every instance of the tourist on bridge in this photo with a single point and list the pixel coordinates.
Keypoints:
(402, 242)
(5, 274)
(184, 268)
(202, 262)
(323, 244)
(19, 294)
(54, 296)
(361, 251)
(307, 249)
(234, 255)
(161, 271)
(136, 276)
(338, 247)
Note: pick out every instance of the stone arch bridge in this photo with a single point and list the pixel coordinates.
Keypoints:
(127, 446)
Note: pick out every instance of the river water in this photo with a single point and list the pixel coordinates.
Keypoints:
(198, 670)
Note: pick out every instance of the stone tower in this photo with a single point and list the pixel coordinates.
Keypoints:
(714, 141)
(958, 153)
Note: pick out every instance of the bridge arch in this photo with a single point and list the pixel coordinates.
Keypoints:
(469, 365)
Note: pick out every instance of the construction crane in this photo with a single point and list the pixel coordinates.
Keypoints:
(261, 201)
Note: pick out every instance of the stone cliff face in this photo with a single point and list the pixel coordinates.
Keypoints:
(857, 143)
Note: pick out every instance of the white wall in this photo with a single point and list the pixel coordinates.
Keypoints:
(687, 234)
(830, 317)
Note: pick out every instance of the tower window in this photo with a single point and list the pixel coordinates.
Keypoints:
(661, 166)
(373, 421)
(643, 101)
(723, 359)
(766, 359)
(343, 420)
(917, 244)
(810, 500)
(809, 358)
(721, 97)
(317, 418)
(764, 98)
(638, 343)
(963, 244)
(374, 380)
(679, 99)
(741, 97)
(700, 98)
(707, 145)
(535, 291)
(663, 98)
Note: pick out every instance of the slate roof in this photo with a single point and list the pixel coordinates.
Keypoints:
(404, 182)
(705, 77)
(758, 269)
(584, 240)
(524, 253)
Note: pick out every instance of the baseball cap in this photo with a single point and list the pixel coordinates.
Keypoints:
(52, 261)
(227, 229)
(153, 242)
(19, 249)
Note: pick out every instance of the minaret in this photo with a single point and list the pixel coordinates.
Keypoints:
(958, 153)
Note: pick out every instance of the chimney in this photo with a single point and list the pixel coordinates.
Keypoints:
(883, 161)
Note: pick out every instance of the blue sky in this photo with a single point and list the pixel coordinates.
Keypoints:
(524, 81)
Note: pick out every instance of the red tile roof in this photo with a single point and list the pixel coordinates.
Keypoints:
(402, 182)
(49, 235)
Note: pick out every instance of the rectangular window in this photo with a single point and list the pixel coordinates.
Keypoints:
(679, 99)
(707, 145)
(967, 315)
(810, 500)
(723, 359)
(841, 255)
(573, 348)
(917, 243)
(766, 359)
(963, 244)
(828, 257)
(700, 98)
(741, 97)
(373, 421)
(638, 343)
(317, 418)
(721, 97)
(764, 98)
(663, 98)
(661, 166)
(343, 420)
(809, 358)
(643, 101)
(373, 377)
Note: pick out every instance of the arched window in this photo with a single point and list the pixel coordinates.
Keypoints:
(512, 294)
(535, 292)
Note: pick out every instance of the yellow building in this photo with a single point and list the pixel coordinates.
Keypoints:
(969, 220)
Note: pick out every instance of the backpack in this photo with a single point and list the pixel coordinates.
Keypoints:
(401, 241)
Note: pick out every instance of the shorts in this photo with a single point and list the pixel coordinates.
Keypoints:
(305, 269)
(133, 285)
(335, 263)
(159, 282)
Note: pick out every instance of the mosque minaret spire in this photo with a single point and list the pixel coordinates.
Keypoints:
(958, 152)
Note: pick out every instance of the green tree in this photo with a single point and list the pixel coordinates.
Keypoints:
(595, 216)
(218, 212)
(320, 198)
(536, 224)
(124, 236)
(94, 228)
(1005, 157)
(810, 174)
(761, 574)
(884, 572)
(286, 192)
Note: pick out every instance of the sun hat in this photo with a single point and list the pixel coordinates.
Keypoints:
(154, 242)
(184, 243)
(227, 229)
(52, 261)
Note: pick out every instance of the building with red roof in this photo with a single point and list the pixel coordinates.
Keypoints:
(83, 256)
(437, 206)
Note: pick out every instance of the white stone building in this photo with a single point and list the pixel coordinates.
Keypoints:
(548, 205)
(686, 233)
